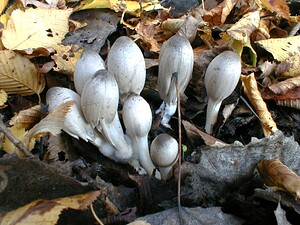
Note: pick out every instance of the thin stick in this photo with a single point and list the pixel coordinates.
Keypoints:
(13, 139)
(95, 215)
(175, 77)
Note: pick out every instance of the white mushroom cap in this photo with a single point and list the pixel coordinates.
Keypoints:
(86, 66)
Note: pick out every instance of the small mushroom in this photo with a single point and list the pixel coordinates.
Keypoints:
(99, 102)
(221, 77)
(176, 56)
(75, 123)
(164, 154)
(126, 62)
(86, 66)
(137, 118)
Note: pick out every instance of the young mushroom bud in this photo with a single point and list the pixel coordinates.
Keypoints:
(75, 123)
(126, 62)
(221, 78)
(137, 118)
(99, 102)
(176, 56)
(86, 66)
(164, 154)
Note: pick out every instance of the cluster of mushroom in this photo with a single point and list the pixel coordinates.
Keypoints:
(101, 87)
(94, 116)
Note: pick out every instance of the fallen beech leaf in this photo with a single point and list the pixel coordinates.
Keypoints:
(4, 17)
(19, 132)
(27, 118)
(250, 87)
(281, 48)
(293, 103)
(284, 86)
(52, 123)
(244, 27)
(3, 98)
(279, 176)
(47, 212)
(218, 15)
(289, 67)
(193, 132)
(18, 75)
(56, 145)
(3, 5)
(66, 58)
(35, 28)
(279, 6)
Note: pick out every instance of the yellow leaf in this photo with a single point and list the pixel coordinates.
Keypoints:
(18, 75)
(66, 58)
(250, 86)
(3, 5)
(26, 118)
(3, 97)
(52, 123)
(47, 212)
(281, 48)
(244, 27)
(35, 28)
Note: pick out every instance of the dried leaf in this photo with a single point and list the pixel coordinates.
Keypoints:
(250, 87)
(279, 6)
(279, 176)
(47, 211)
(18, 75)
(218, 15)
(3, 5)
(244, 27)
(52, 123)
(293, 103)
(3, 97)
(280, 216)
(56, 145)
(193, 132)
(66, 58)
(35, 28)
(289, 67)
(281, 48)
(284, 86)
(27, 118)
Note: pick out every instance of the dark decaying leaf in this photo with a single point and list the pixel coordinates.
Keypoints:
(279, 176)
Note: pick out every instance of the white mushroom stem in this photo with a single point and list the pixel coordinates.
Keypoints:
(137, 118)
(221, 78)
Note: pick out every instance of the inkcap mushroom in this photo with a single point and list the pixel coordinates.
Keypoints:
(176, 56)
(164, 154)
(221, 77)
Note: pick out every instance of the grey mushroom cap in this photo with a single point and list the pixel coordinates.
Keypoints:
(164, 150)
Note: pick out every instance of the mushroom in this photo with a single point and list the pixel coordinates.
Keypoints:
(99, 102)
(137, 118)
(126, 62)
(176, 56)
(164, 154)
(75, 123)
(221, 77)
(86, 66)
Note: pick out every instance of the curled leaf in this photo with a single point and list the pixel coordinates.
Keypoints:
(27, 118)
(250, 87)
(279, 176)
(289, 67)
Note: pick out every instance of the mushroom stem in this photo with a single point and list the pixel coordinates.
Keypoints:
(212, 112)
(166, 172)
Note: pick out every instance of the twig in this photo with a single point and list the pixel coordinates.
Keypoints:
(175, 77)
(13, 139)
(95, 215)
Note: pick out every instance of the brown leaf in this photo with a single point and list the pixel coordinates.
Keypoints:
(279, 176)
(289, 67)
(47, 211)
(193, 132)
(284, 86)
(218, 15)
(3, 98)
(56, 145)
(27, 118)
(250, 87)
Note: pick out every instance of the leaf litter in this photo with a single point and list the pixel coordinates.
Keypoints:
(218, 170)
